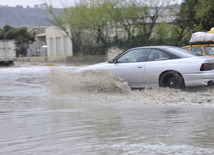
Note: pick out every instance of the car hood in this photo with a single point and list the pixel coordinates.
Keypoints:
(102, 65)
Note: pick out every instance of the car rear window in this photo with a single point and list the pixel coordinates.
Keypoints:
(183, 53)
(209, 50)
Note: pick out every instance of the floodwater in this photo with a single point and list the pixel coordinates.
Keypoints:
(46, 110)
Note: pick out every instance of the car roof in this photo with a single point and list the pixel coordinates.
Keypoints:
(160, 47)
(172, 53)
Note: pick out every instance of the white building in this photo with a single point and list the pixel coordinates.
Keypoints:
(43, 6)
(52, 44)
(59, 44)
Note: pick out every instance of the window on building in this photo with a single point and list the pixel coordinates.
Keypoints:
(58, 46)
(66, 45)
(52, 46)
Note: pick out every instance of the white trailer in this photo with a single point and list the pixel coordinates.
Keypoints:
(7, 52)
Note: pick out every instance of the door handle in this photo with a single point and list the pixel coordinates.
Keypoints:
(140, 66)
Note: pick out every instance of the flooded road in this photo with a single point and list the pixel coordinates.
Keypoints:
(46, 110)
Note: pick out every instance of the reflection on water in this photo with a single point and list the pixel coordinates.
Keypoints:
(48, 110)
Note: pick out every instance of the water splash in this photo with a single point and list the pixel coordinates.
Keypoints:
(112, 53)
(100, 86)
(95, 81)
(191, 95)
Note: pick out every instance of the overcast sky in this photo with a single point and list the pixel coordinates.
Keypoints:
(31, 3)
(55, 3)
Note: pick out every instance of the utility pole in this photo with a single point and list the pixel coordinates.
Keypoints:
(92, 4)
(0, 21)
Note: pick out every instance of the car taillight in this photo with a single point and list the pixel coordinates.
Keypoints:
(207, 66)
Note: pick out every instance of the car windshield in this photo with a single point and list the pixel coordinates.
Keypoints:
(183, 53)
(209, 50)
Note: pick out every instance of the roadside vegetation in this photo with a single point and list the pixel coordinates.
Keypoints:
(21, 36)
(94, 27)
(99, 25)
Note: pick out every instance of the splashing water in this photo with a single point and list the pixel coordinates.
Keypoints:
(95, 81)
(112, 53)
(102, 86)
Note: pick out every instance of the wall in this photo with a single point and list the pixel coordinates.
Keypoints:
(34, 49)
(58, 43)
(32, 59)
(90, 59)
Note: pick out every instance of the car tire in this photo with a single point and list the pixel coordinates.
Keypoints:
(171, 79)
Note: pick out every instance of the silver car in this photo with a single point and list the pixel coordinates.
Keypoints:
(163, 66)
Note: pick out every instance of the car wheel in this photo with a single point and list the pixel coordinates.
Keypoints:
(172, 80)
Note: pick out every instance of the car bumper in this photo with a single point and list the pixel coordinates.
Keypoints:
(199, 79)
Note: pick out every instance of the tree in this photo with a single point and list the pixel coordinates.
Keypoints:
(96, 24)
(61, 20)
(124, 14)
(21, 36)
(88, 23)
(139, 18)
(196, 15)
(204, 14)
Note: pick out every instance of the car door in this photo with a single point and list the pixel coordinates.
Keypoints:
(128, 67)
(156, 63)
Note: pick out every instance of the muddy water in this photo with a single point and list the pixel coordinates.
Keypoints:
(48, 110)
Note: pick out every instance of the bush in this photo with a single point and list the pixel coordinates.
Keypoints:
(102, 49)
(21, 50)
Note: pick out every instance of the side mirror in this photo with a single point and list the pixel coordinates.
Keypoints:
(113, 61)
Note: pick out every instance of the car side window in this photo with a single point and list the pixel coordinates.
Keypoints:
(197, 50)
(157, 55)
(185, 48)
(135, 55)
(209, 50)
